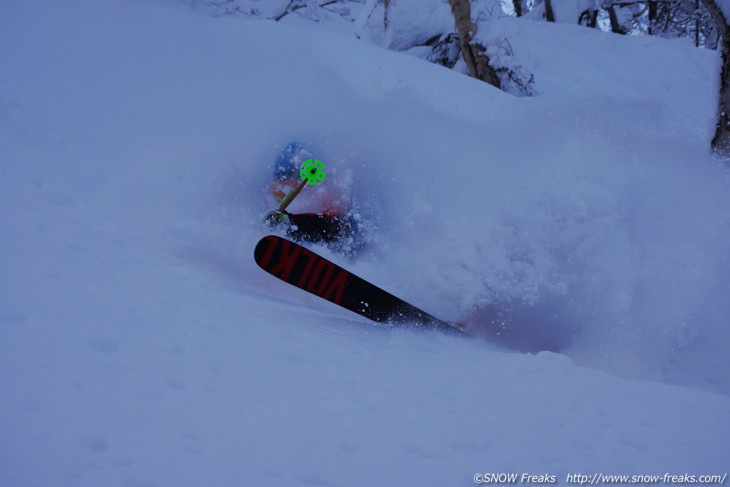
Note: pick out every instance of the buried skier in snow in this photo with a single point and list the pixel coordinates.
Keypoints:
(319, 214)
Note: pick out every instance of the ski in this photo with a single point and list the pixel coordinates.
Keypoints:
(300, 267)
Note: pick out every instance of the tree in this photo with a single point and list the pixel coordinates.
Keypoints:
(474, 54)
(663, 18)
(721, 140)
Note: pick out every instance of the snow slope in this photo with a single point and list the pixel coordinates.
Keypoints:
(140, 345)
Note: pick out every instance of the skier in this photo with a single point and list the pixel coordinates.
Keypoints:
(319, 214)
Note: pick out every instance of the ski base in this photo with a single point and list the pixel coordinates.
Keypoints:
(300, 267)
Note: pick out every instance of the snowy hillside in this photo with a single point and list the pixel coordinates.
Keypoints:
(140, 344)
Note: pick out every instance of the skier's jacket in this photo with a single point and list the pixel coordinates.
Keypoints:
(329, 217)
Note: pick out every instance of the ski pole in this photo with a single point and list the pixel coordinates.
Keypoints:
(293, 194)
(312, 173)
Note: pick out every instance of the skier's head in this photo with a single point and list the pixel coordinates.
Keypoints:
(290, 160)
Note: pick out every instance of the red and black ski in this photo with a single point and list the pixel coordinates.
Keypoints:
(306, 270)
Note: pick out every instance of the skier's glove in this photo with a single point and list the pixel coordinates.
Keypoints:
(276, 218)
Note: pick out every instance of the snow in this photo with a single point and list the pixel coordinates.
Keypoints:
(140, 344)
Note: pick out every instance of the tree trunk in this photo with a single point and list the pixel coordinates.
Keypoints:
(615, 26)
(474, 54)
(653, 14)
(549, 14)
(697, 23)
(386, 14)
(721, 140)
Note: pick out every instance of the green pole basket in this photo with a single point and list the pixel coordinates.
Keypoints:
(313, 171)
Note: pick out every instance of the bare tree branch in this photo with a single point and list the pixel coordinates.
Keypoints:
(293, 8)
